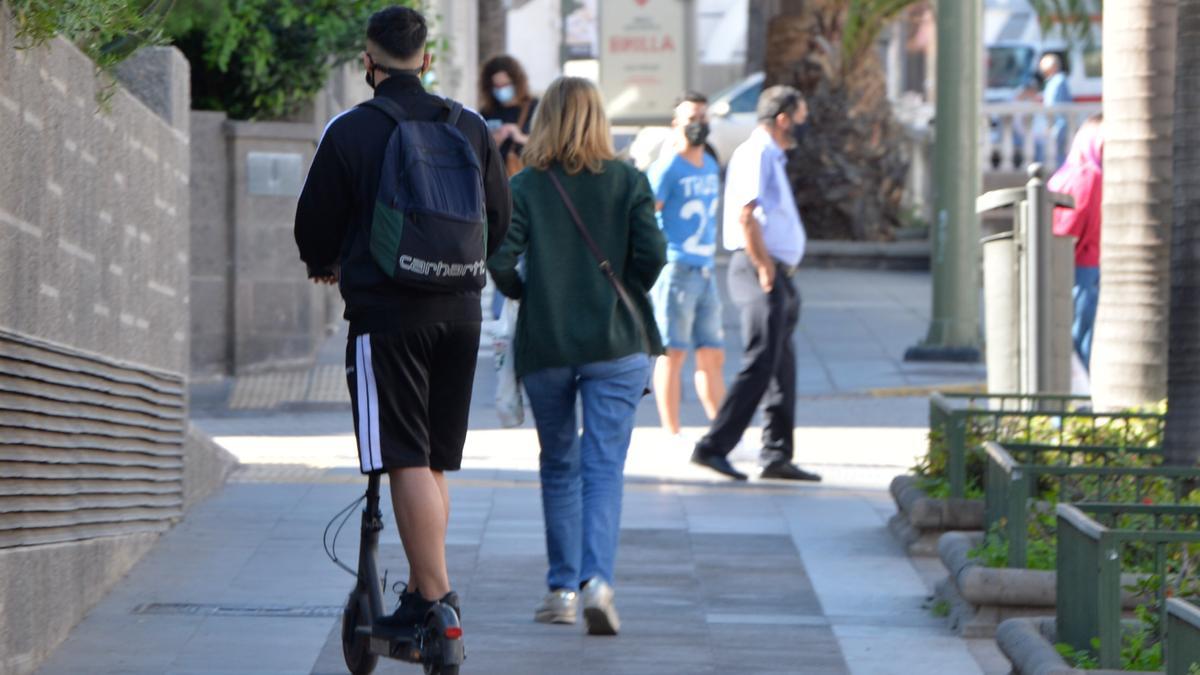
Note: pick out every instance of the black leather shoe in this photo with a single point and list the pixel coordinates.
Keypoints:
(718, 463)
(788, 471)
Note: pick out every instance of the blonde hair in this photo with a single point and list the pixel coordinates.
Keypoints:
(569, 128)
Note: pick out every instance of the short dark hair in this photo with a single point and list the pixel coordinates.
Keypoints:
(399, 31)
(778, 100)
(692, 96)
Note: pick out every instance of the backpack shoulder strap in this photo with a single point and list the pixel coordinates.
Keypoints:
(388, 107)
(456, 109)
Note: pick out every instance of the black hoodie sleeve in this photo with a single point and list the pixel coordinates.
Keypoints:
(498, 201)
(324, 210)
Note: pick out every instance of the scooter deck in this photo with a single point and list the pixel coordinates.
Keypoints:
(394, 642)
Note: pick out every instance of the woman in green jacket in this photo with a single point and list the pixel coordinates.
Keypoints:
(576, 339)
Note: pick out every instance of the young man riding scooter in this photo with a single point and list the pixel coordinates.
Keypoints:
(414, 317)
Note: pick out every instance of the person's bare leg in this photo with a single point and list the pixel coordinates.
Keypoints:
(421, 516)
(668, 388)
(710, 384)
(440, 477)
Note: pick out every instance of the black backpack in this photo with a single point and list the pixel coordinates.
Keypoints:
(429, 227)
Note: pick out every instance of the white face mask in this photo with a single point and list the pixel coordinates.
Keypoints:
(505, 94)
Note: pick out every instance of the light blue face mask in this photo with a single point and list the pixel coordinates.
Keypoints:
(504, 95)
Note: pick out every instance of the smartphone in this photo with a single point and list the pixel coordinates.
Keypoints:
(495, 124)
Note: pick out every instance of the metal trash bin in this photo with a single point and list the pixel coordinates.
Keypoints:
(1028, 274)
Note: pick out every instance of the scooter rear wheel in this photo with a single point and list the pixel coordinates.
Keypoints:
(356, 648)
(443, 654)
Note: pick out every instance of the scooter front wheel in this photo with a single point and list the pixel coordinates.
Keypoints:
(356, 648)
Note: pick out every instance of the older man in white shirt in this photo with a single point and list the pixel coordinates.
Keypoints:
(764, 230)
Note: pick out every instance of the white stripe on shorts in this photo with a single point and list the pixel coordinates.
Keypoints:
(369, 407)
(373, 402)
(364, 407)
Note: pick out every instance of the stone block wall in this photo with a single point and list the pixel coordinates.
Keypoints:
(93, 212)
(253, 308)
(94, 291)
(211, 247)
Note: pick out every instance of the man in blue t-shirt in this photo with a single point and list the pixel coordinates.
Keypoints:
(687, 187)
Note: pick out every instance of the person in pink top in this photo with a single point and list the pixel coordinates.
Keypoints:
(1082, 177)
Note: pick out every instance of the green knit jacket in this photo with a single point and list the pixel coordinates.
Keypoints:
(570, 315)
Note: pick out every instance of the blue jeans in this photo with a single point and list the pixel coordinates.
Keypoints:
(1086, 295)
(583, 474)
(687, 307)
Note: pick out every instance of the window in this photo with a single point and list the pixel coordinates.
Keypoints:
(747, 100)
(1009, 67)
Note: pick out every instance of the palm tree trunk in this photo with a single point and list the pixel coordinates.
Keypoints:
(493, 39)
(1183, 376)
(1128, 362)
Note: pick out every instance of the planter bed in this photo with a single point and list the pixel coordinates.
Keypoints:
(979, 597)
(1029, 645)
(921, 519)
(1089, 474)
(1093, 597)
(960, 423)
(1183, 637)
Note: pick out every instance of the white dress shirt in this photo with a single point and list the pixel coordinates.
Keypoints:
(757, 174)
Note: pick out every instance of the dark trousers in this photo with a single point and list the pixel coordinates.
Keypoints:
(768, 373)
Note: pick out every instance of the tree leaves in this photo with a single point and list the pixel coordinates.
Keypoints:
(264, 59)
(107, 31)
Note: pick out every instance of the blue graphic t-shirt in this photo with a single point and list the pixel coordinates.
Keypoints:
(690, 196)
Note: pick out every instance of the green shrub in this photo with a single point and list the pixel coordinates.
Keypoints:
(1141, 650)
(263, 59)
(107, 31)
(1063, 429)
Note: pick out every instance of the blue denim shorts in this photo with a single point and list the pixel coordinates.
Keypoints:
(687, 307)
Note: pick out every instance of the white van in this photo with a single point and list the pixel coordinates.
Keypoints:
(1011, 67)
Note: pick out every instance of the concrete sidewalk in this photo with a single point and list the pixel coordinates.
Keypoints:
(713, 577)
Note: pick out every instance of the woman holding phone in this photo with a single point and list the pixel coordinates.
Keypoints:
(508, 106)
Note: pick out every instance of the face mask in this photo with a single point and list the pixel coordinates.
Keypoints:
(696, 133)
(370, 77)
(504, 95)
(799, 131)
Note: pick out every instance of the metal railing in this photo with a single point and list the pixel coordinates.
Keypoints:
(1017, 490)
(1183, 637)
(1093, 555)
(960, 423)
(1021, 133)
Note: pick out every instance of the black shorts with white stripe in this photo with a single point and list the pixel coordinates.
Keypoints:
(411, 395)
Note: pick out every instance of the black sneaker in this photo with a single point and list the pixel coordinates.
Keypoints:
(413, 608)
(718, 463)
(451, 601)
(410, 613)
(784, 470)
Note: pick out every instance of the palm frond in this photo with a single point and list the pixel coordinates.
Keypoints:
(865, 20)
(1074, 15)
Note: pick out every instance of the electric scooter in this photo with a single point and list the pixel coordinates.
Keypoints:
(436, 644)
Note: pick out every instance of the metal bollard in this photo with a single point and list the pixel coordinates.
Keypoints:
(1028, 290)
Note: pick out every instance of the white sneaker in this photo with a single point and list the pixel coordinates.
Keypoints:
(559, 606)
(598, 610)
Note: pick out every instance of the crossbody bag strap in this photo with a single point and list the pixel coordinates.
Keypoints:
(524, 115)
(605, 265)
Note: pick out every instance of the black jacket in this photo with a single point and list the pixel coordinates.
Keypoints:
(335, 208)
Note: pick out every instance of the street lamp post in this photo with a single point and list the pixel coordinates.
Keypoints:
(954, 331)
